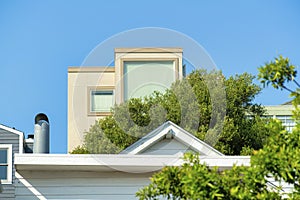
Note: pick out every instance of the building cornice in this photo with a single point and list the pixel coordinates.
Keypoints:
(73, 69)
(149, 50)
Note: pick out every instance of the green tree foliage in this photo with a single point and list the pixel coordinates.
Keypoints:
(194, 180)
(215, 109)
(278, 73)
(80, 150)
(279, 159)
(281, 155)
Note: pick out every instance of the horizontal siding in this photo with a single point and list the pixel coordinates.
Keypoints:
(103, 197)
(166, 152)
(79, 190)
(87, 182)
(8, 192)
(87, 185)
(81, 185)
(7, 137)
(74, 174)
(167, 147)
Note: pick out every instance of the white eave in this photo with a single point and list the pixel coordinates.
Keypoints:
(115, 162)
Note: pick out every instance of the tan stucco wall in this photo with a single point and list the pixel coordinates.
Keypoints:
(79, 80)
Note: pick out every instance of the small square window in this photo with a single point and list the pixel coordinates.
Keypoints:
(6, 163)
(100, 100)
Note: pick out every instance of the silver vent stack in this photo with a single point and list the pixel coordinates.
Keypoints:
(41, 134)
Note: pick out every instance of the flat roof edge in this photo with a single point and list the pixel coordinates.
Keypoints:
(121, 160)
(149, 50)
(84, 69)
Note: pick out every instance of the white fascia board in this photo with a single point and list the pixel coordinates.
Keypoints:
(19, 133)
(143, 143)
(195, 143)
(116, 162)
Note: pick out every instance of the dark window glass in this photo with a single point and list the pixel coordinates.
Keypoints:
(3, 172)
(3, 156)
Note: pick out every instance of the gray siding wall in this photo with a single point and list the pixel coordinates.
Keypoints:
(167, 147)
(81, 185)
(7, 137)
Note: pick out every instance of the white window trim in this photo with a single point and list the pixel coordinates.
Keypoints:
(9, 162)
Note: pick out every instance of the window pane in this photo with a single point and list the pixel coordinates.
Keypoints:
(3, 156)
(289, 121)
(101, 101)
(3, 172)
(281, 117)
(141, 78)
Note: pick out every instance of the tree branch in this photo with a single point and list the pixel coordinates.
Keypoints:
(296, 83)
(287, 89)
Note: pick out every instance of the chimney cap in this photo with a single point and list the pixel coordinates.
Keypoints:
(40, 116)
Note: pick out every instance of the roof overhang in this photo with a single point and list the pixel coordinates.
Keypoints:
(115, 162)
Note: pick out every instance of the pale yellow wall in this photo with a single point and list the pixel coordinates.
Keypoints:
(82, 78)
(79, 80)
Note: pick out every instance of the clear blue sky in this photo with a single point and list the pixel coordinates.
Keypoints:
(40, 39)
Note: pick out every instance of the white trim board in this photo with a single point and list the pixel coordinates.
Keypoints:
(116, 162)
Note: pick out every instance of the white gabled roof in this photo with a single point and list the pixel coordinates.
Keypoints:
(171, 130)
(19, 133)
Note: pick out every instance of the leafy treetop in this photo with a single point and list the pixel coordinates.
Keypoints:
(278, 159)
(217, 110)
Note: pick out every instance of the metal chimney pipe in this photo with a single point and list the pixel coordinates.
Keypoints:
(41, 134)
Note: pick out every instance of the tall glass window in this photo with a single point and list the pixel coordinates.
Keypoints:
(141, 78)
(3, 164)
(6, 163)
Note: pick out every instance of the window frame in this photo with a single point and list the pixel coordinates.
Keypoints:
(89, 100)
(287, 121)
(8, 147)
